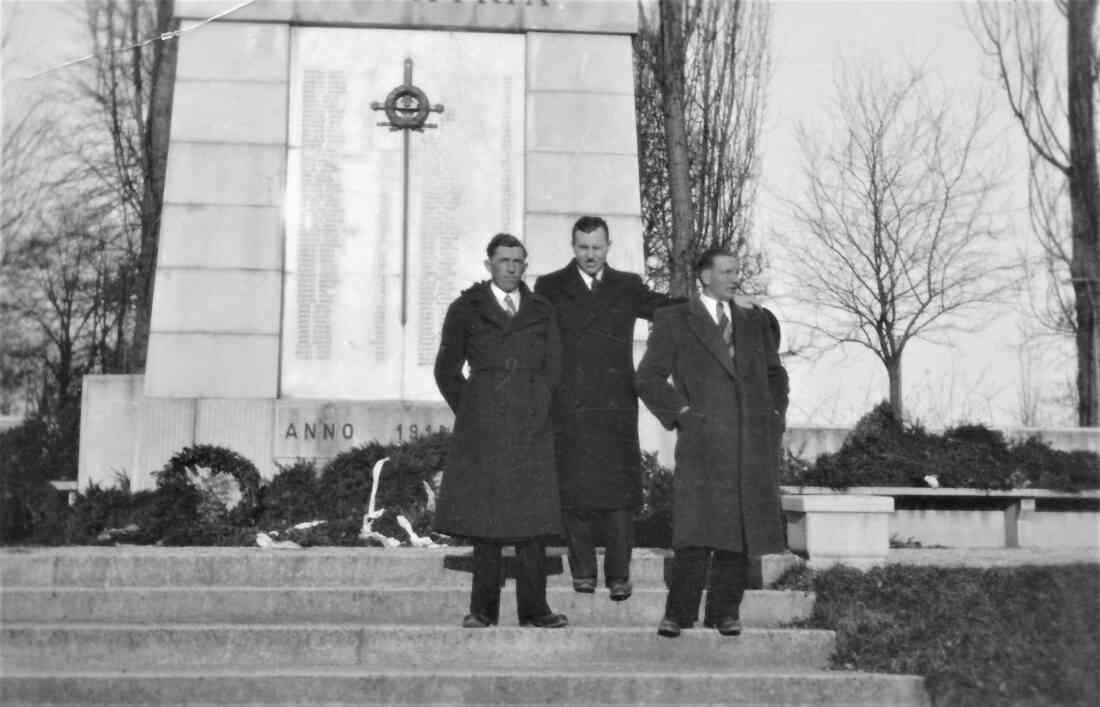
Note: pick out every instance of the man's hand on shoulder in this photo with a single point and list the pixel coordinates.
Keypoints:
(687, 413)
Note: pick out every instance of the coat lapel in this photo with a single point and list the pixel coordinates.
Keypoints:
(572, 284)
(527, 312)
(603, 297)
(703, 326)
(741, 333)
(490, 308)
(609, 288)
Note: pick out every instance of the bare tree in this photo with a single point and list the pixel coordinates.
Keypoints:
(129, 91)
(22, 176)
(894, 219)
(700, 66)
(57, 314)
(1022, 50)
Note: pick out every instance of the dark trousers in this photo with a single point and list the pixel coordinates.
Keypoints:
(489, 576)
(618, 530)
(729, 574)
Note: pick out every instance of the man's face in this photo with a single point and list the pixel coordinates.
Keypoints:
(591, 250)
(506, 267)
(720, 279)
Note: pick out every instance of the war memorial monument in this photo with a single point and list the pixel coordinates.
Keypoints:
(334, 171)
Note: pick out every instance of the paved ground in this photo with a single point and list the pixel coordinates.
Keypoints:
(995, 556)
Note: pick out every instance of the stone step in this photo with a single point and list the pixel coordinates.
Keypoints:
(412, 605)
(334, 567)
(131, 647)
(463, 686)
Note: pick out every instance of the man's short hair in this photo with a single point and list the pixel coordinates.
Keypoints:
(706, 259)
(588, 224)
(504, 240)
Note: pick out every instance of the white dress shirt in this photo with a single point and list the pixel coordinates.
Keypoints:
(500, 294)
(711, 305)
(589, 278)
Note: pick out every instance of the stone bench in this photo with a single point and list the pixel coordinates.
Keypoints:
(935, 517)
(835, 528)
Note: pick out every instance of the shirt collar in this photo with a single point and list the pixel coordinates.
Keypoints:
(588, 278)
(499, 294)
(711, 305)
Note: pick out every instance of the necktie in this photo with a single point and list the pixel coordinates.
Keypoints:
(509, 305)
(595, 284)
(726, 327)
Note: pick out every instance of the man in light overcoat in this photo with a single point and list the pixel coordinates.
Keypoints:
(727, 400)
(595, 410)
(499, 484)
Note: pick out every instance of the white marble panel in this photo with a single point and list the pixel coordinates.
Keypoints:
(563, 121)
(239, 51)
(225, 236)
(229, 111)
(596, 63)
(212, 365)
(345, 294)
(203, 173)
(221, 300)
(583, 182)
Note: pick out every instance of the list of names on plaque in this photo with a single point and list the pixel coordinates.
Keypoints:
(324, 99)
(439, 238)
(506, 206)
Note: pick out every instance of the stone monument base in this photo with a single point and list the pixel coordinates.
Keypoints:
(124, 432)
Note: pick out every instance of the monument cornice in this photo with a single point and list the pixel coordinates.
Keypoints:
(519, 16)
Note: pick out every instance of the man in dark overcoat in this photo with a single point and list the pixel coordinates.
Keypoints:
(499, 484)
(595, 409)
(727, 399)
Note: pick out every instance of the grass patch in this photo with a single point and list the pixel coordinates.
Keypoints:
(1020, 635)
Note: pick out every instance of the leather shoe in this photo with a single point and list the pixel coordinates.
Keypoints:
(584, 585)
(727, 626)
(621, 589)
(476, 621)
(549, 621)
(668, 628)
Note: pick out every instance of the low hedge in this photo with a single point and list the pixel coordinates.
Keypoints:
(191, 504)
(884, 451)
(31, 510)
(209, 495)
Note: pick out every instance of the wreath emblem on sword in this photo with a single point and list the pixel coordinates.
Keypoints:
(407, 107)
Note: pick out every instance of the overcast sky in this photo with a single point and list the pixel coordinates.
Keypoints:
(974, 377)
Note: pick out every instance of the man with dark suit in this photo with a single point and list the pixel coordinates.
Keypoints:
(595, 410)
(727, 400)
(499, 485)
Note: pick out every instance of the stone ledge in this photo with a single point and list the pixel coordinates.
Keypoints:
(838, 504)
(963, 517)
(589, 16)
(940, 492)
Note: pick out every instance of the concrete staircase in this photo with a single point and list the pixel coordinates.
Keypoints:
(361, 626)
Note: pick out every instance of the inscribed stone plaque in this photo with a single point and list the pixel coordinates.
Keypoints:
(342, 332)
